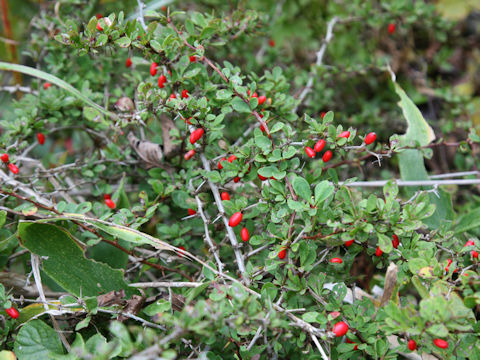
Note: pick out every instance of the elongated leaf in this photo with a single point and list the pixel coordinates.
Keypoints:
(302, 188)
(65, 262)
(411, 162)
(54, 80)
(36, 340)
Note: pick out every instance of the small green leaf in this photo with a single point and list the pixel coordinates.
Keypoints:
(323, 190)
(36, 340)
(240, 105)
(302, 188)
(123, 42)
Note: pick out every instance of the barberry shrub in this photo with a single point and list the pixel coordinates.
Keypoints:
(251, 180)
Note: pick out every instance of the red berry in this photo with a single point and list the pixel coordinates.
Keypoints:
(412, 345)
(99, 27)
(319, 145)
(196, 135)
(442, 344)
(327, 156)
(220, 166)
(391, 28)
(244, 234)
(310, 152)
(224, 195)
(236, 179)
(110, 203)
(348, 243)
(447, 268)
(12, 312)
(395, 241)
(336, 260)
(344, 134)
(262, 128)
(13, 168)
(235, 219)
(282, 253)
(46, 85)
(474, 254)
(340, 328)
(378, 252)
(180, 252)
(469, 242)
(370, 138)
(128, 62)
(352, 342)
(189, 154)
(41, 138)
(153, 69)
(5, 158)
(99, 16)
(255, 95)
(172, 96)
(231, 158)
(262, 99)
(193, 58)
(106, 196)
(162, 79)
(191, 212)
(271, 43)
(188, 121)
(263, 178)
(322, 115)
(184, 94)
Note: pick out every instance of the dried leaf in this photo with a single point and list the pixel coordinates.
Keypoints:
(148, 151)
(390, 282)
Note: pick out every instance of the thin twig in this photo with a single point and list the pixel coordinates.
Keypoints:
(380, 183)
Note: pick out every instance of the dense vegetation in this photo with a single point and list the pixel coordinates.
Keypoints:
(240, 180)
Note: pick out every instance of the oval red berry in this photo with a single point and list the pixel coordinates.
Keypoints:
(162, 79)
(235, 219)
(282, 253)
(319, 145)
(46, 85)
(128, 62)
(13, 168)
(193, 58)
(110, 203)
(181, 250)
(12, 312)
(153, 69)
(348, 243)
(262, 99)
(391, 28)
(336, 260)
(412, 345)
(442, 344)
(236, 179)
(378, 252)
(231, 158)
(191, 212)
(189, 155)
(224, 195)
(185, 94)
(41, 138)
(344, 134)
(370, 138)
(395, 241)
(340, 328)
(245, 234)
(263, 178)
(327, 156)
(5, 158)
(220, 166)
(310, 152)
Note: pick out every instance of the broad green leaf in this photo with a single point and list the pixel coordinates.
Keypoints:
(36, 340)
(65, 261)
(468, 221)
(302, 188)
(385, 243)
(56, 81)
(323, 190)
(156, 46)
(125, 42)
(240, 105)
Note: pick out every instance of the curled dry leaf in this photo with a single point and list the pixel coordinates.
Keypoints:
(134, 305)
(148, 151)
(112, 298)
(390, 282)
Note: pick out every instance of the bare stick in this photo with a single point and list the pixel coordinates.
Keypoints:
(140, 18)
(380, 183)
(166, 284)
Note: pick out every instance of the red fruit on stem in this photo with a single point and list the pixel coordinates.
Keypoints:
(184, 93)
(162, 79)
(255, 95)
(469, 242)
(282, 253)
(13, 168)
(370, 138)
(271, 43)
(319, 145)
(110, 203)
(322, 115)
(128, 62)
(310, 152)
(41, 138)
(263, 178)
(395, 241)
(189, 154)
(262, 99)
(12, 312)
(245, 234)
(236, 179)
(235, 219)
(412, 345)
(5, 158)
(193, 58)
(220, 166)
(180, 251)
(188, 121)
(391, 28)
(378, 252)
(46, 85)
(191, 212)
(231, 158)
(106, 196)
(327, 156)
(153, 69)
(196, 135)
(172, 96)
(348, 243)
(224, 195)
(99, 27)
(474, 254)
(340, 328)
(344, 134)
(442, 344)
(336, 260)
